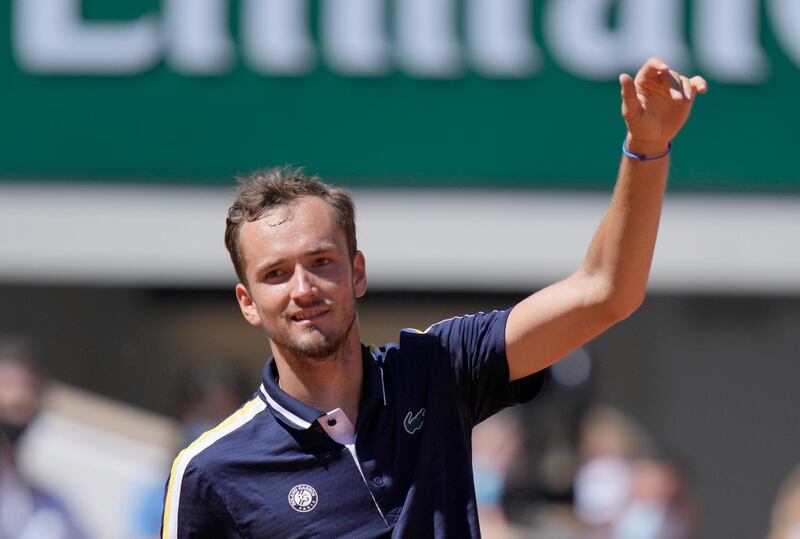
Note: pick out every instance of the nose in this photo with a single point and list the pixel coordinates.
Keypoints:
(303, 285)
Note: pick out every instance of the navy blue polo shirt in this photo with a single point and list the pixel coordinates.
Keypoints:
(281, 468)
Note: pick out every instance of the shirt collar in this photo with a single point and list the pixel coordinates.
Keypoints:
(302, 416)
(374, 386)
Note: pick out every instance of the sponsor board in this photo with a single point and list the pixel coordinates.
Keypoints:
(520, 93)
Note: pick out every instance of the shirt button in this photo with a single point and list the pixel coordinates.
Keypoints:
(378, 480)
(332, 422)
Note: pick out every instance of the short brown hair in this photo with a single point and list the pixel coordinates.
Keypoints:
(264, 190)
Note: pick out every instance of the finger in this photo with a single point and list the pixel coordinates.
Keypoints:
(630, 101)
(674, 81)
(699, 84)
(688, 89)
(654, 68)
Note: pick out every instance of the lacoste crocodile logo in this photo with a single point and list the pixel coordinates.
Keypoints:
(413, 424)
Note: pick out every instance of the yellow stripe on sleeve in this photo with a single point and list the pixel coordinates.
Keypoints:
(236, 420)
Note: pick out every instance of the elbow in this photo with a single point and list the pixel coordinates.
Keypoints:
(612, 301)
(618, 307)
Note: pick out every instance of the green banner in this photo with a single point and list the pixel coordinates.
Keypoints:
(511, 93)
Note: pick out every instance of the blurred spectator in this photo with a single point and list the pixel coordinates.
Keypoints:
(210, 391)
(786, 512)
(539, 490)
(497, 444)
(624, 489)
(26, 511)
(660, 505)
(609, 441)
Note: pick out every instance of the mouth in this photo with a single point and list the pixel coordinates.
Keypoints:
(310, 315)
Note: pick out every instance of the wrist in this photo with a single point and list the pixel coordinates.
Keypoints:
(647, 148)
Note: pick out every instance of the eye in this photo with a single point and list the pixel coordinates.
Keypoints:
(322, 261)
(274, 274)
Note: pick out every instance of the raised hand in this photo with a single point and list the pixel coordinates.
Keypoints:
(656, 104)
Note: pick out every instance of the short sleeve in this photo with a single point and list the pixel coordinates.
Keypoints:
(474, 348)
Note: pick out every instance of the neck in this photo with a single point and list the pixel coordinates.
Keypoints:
(326, 384)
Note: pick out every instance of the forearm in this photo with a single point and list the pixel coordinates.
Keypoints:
(619, 257)
(612, 280)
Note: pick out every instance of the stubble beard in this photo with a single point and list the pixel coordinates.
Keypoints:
(319, 349)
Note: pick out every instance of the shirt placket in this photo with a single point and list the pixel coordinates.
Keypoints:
(337, 425)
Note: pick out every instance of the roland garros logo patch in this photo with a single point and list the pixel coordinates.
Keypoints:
(303, 498)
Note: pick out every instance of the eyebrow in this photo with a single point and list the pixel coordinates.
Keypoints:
(323, 248)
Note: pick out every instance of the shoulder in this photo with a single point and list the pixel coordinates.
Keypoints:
(212, 448)
(193, 485)
(462, 334)
(412, 345)
(469, 330)
(469, 322)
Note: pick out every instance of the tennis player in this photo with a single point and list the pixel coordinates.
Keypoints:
(347, 440)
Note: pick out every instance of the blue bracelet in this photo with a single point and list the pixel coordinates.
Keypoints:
(644, 157)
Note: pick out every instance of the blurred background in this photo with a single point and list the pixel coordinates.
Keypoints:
(480, 139)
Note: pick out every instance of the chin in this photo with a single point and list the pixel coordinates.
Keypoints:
(317, 352)
(312, 344)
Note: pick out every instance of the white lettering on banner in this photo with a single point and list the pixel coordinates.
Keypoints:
(276, 38)
(49, 36)
(726, 34)
(653, 28)
(582, 41)
(420, 37)
(499, 43)
(785, 18)
(427, 42)
(579, 39)
(353, 37)
(197, 37)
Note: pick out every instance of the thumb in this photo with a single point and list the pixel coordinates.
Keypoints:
(631, 107)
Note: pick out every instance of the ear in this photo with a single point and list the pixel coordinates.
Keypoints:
(359, 275)
(247, 305)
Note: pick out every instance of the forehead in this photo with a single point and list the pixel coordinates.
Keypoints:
(306, 224)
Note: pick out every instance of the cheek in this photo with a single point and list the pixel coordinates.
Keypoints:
(267, 309)
(276, 302)
(266, 304)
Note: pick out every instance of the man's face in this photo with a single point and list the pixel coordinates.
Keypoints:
(301, 284)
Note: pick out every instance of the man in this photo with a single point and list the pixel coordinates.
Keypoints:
(345, 440)
(26, 512)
